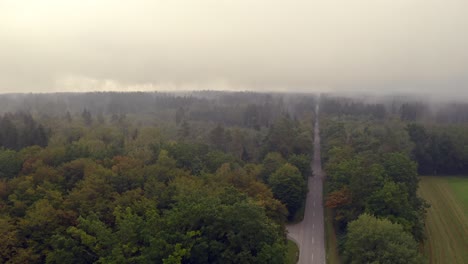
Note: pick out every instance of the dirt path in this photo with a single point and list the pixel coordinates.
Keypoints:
(309, 234)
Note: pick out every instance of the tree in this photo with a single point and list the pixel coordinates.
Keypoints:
(302, 162)
(214, 159)
(339, 198)
(188, 156)
(218, 137)
(287, 137)
(128, 173)
(392, 202)
(271, 163)
(180, 115)
(401, 169)
(226, 226)
(184, 131)
(87, 118)
(39, 136)
(421, 151)
(93, 194)
(288, 186)
(11, 242)
(10, 163)
(68, 117)
(373, 240)
(412, 111)
(8, 133)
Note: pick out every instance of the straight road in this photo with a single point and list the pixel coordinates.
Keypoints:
(309, 234)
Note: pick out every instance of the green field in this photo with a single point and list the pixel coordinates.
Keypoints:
(447, 219)
(293, 253)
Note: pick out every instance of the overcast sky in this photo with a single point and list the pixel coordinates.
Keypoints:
(309, 45)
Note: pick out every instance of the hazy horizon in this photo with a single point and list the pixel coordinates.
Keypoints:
(371, 46)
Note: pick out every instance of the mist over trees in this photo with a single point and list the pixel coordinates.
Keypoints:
(213, 177)
(374, 150)
(149, 177)
(437, 130)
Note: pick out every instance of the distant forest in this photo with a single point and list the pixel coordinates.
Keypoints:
(438, 131)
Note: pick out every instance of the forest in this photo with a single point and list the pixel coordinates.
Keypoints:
(214, 177)
(151, 178)
(374, 154)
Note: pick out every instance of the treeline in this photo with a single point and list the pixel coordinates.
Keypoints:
(116, 187)
(247, 109)
(440, 149)
(437, 130)
(372, 188)
(20, 130)
(456, 113)
(347, 106)
(408, 110)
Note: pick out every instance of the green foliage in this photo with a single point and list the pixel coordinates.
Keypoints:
(10, 163)
(393, 203)
(303, 163)
(239, 231)
(218, 137)
(440, 150)
(372, 240)
(288, 186)
(188, 156)
(117, 181)
(401, 169)
(369, 177)
(214, 159)
(271, 162)
(288, 137)
(87, 117)
(20, 130)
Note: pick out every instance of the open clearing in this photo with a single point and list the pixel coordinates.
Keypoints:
(447, 219)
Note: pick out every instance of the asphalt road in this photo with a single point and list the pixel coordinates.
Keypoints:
(309, 234)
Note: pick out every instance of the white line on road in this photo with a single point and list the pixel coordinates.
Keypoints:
(313, 240)
(313, 226)
(313, 214)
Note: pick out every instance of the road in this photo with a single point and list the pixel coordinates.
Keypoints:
(309, 234)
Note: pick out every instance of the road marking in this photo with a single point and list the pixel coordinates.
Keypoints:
(314, 203)
(313, 214)
(313, 240)
(313, 226)
(312, 256)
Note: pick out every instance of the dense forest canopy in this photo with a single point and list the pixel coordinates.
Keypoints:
(151, 178)
(212, 177)
(374, 152)
(437, 130)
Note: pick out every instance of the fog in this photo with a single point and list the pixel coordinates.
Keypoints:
(384, 46)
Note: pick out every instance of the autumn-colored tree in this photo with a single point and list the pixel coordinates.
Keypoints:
(339, 198)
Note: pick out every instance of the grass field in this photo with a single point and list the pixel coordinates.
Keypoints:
(460, 189)
(447, 219)
(293, 253)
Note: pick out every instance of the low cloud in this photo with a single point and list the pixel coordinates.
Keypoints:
(75, 83)
(381, 46)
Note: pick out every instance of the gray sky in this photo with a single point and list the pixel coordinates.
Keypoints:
(309, 45)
